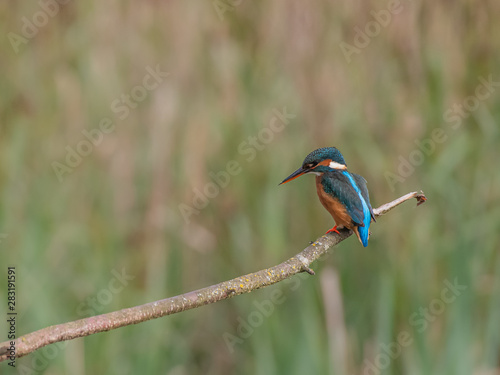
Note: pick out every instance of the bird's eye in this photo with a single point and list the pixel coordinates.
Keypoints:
(309, 165)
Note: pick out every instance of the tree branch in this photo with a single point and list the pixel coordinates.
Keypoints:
(227, 289)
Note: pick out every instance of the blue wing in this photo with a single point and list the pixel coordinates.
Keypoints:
(338, 185)
(351, 191)
(361, 182)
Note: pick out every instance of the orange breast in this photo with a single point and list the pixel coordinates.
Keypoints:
(333, 206)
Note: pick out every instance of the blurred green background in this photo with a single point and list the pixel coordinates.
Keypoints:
(398, 87)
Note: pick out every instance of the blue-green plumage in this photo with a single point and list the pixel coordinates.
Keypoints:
(343, 194)
(323, 154)
(350, 189)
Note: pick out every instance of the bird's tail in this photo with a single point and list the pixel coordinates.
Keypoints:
(363, 234)
(364, 231)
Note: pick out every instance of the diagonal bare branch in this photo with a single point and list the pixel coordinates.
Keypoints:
(244, 284)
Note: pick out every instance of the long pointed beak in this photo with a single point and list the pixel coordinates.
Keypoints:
(299, 172)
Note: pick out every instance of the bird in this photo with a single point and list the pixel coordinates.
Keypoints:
(343, 194)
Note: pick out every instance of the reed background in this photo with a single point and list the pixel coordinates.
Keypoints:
(231, 66)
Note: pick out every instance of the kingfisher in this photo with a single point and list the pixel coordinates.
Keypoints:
(343, 194)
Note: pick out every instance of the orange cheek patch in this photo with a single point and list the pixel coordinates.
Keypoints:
(325, 162)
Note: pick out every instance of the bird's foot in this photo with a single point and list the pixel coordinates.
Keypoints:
(334, 229)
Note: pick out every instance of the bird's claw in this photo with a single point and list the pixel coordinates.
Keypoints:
(334, 229)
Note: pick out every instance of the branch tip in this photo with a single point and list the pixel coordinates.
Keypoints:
(421, 198)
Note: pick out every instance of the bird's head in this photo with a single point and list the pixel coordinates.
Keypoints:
(319, 161)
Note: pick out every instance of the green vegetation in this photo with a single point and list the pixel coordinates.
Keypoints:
(399, 89)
